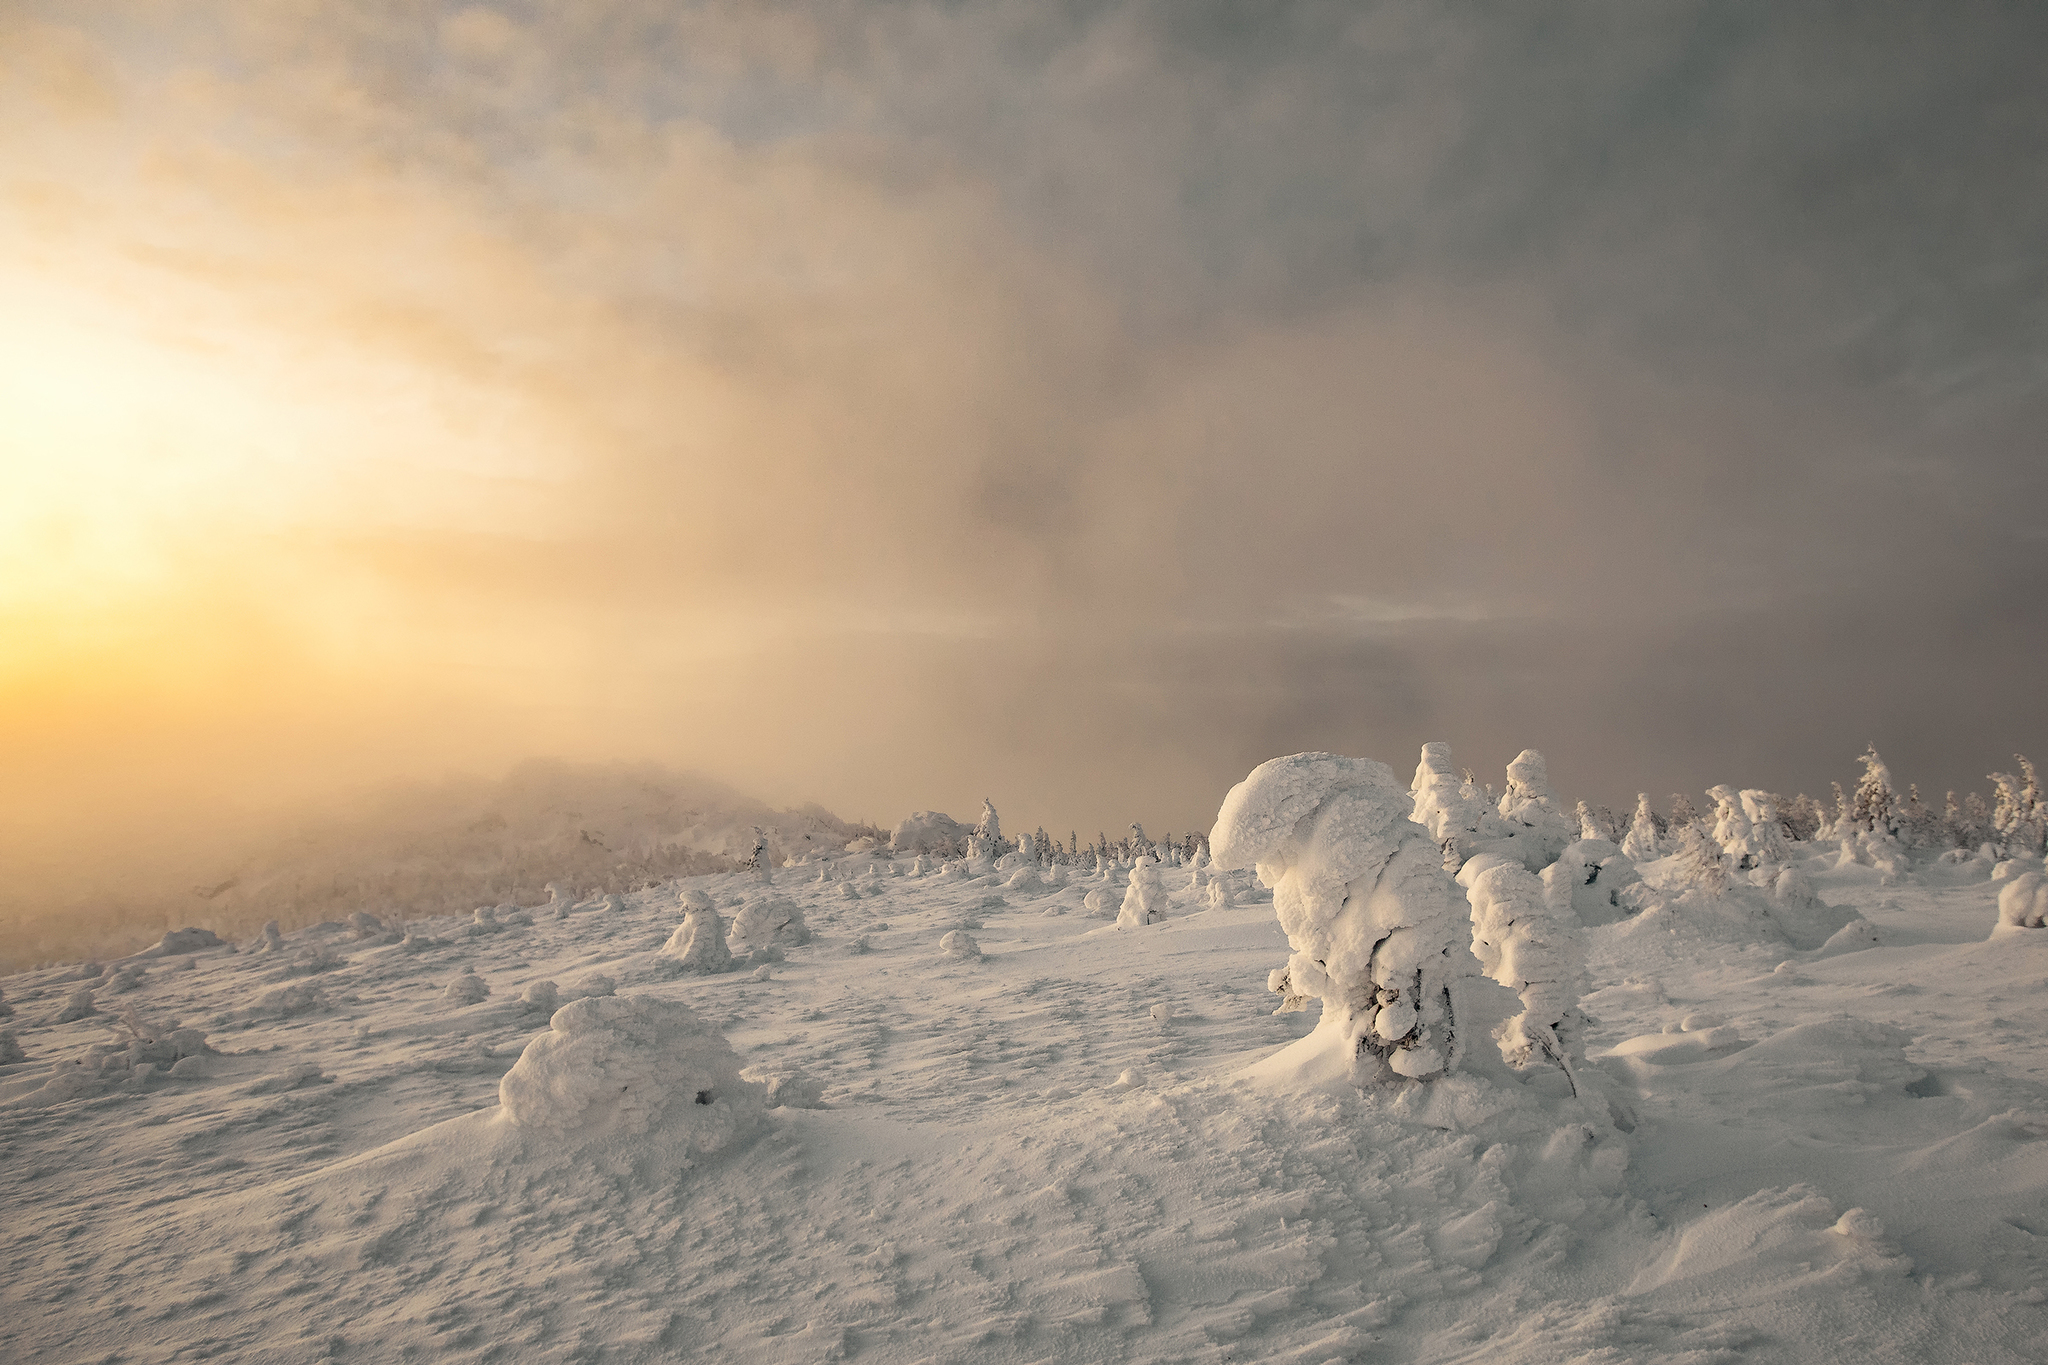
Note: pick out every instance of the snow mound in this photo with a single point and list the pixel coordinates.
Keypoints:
(2023, 903)
(622, 1066)
(958, 943)
(1376, 925)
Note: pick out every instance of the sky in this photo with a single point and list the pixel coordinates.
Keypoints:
(892, 405)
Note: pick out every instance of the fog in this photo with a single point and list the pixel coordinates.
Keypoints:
(893, 405)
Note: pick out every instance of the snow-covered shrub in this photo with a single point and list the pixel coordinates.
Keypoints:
(1802, 916)
(187, 940)
(614, 1067)
(560, 902)
(1528, 940)
(1376, 925)
(768, 921)
(1025, 879)
(540, 997)
(483, 921)
(782, 1089)
(597, 983)
(10, 1048)
(1101, 903)
(6, 1010)
(122, 981)
(1642, 843)
(1145, 898)
(1870, 810)
(2023, 903)
(958, 943)
(272, 940)
(288, 1002)
(78, 1005)
(1594, 880)
(466, 989)
(369, 928)
(698, 943)
(929, 831)
(1219, 895)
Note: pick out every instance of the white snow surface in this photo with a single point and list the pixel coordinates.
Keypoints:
(1082, 1145)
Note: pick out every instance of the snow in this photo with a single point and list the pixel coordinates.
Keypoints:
(1080, 1145)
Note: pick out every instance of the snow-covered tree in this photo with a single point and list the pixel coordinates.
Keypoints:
(1596, 881)
(1870, 810)
(698, 943)
(2018, 818)
(1700, 862)
(1454, 811)
(1802, 817)
(1528, 941)
(1682, 813)
(1766, 848)
(1145, 898)
(1642, 843)
(1377, 927)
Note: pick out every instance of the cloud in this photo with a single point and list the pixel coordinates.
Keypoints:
(895, 405)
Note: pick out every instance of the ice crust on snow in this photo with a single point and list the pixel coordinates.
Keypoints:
(1375, 923)
(612, 1067)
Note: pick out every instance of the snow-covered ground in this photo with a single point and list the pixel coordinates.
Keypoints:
(1078, 1143)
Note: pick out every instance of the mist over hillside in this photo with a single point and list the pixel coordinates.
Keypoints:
(426, 849)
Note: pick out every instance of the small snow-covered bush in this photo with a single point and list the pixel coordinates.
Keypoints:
(597, 983)
(768, 921)
(698, 943)
(1101, 903)
(466, 989)
(958, 943)
(10, 1048)
(625, 1066)
(1528, 941)
(1145, 899)
(1596, 881)
(540, 997)
(6, 1010)
(188, 940)
(78, 1005)
(1456, 814)
(272, 940)
(786, 1089)
(2023, 903)
(1376, 925)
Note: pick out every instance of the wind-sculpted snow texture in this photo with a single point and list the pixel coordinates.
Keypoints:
(1375, 924)
(1079, 1146)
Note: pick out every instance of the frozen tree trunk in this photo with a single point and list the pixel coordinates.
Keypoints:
(1376, 926)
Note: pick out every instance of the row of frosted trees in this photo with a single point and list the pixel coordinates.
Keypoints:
(2013, 822)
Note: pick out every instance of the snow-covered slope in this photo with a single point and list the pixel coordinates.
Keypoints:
(1084, 1144)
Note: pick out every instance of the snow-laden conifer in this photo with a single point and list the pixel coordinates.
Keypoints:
(1642, 843)
(1378, 928)
(1525, 935)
